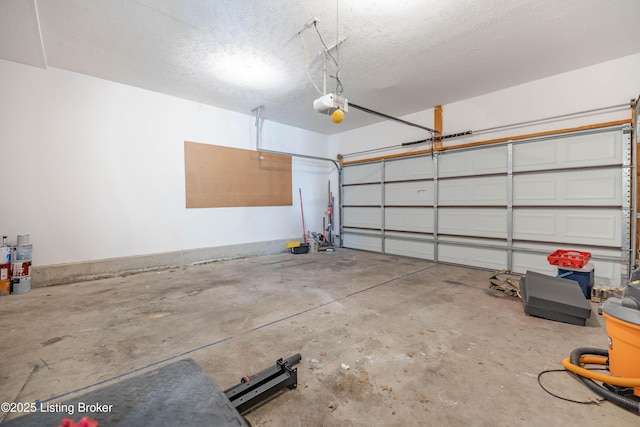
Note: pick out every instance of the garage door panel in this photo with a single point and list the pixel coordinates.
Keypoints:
(607, 273)
(473, 222)
(525, 261)
(360, 174)
(418, 193)
(581, 188)
(361, 217)
(405, 169)
(362, 241)
(582, 150)
(473, 162)
(363, 195)
(602, 227)
(568, 191)
(474, 256)
(412, 248)
(491, 190)
(548, 248)
(409, 219)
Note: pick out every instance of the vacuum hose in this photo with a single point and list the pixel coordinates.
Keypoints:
(572, 364)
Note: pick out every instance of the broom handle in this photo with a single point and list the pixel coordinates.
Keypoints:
(304, 231)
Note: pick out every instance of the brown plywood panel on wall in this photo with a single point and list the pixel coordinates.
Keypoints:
(218, 177)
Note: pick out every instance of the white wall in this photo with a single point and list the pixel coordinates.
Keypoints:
(310, 176)
(602, 85)
(95, 169)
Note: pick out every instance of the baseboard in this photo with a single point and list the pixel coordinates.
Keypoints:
(59, 274)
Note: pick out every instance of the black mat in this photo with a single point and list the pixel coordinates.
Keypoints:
(554, 298)
(179, 394)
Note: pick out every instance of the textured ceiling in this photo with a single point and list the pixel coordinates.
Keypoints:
(397, 57)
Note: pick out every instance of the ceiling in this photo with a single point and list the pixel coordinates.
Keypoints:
(395, 56)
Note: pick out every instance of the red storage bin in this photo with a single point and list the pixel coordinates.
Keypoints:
(572, 259)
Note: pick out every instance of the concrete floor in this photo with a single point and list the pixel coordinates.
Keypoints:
(385, 341)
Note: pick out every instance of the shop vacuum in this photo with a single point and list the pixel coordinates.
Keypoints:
(622, 359)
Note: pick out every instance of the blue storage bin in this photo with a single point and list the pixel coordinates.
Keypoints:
(584, 276)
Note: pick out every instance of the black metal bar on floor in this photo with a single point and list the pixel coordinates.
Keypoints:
(254, 390)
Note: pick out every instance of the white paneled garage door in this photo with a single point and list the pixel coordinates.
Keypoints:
(503, 206)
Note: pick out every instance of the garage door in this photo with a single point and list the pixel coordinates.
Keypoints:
(501, 206)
